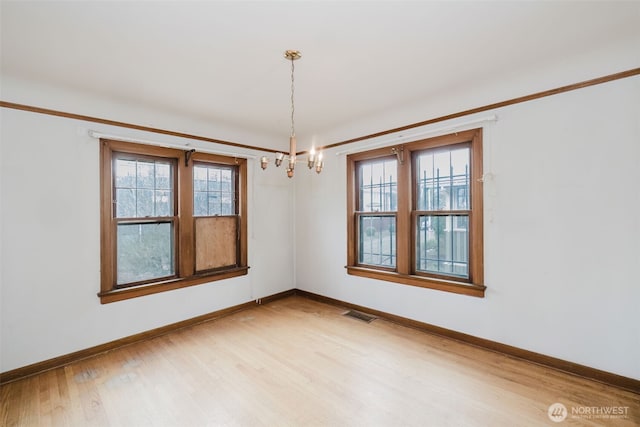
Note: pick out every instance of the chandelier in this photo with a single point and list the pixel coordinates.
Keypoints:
(314, 160)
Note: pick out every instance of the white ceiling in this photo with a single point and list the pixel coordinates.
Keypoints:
(223, 60)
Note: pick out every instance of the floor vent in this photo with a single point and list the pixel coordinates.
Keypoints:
(360, 316)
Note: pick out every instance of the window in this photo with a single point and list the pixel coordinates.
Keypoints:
(144, 218)
(415, 213)
(442, 211)
(377, 205)
(167, 221)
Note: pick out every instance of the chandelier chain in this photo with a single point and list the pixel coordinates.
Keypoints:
(293, 130)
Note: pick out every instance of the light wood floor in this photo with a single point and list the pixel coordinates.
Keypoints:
(297, 362)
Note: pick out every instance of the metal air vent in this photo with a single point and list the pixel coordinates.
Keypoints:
(360, 316)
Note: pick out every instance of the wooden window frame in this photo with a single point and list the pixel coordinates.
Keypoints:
(184, 221)
(405, 271)
(360, 213)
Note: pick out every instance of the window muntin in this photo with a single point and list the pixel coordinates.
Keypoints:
(377, 203)
(214, 190)
(143, 187)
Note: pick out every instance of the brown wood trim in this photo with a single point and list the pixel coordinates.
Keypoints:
(271, 298)
(351, 208)
(587, 372)
(243, 211)
(185, 241)
(419, 281)
(476, 225)
(56, 362)
(107, 240)
(525, 98)
(404, 242)
(518, 100)
(82, 117)
(114, 295)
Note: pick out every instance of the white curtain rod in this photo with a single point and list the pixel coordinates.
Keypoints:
(98, 135)
(399, 137)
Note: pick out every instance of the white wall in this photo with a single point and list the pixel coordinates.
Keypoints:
(50, 246)
(562, 234)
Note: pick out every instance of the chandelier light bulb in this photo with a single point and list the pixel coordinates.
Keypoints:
(279, 157)
(312, 158)
(319, 163)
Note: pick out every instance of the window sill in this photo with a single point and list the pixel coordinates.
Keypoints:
(114, 295)
(423, 282)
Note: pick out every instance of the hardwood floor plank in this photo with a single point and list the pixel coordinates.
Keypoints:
(299, 362)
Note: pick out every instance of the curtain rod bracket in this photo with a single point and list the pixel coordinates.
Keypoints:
(399, 152)
(187, 156)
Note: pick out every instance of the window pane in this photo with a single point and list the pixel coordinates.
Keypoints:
(213, 201)
(143, 188)
(163, 176)
(145, 251)
(378, 184)
(126, 174)
(226, 179)
(443, 179)
(200, 207)
(145, 174)
(442, 244)
(126, 206)
(226, 204)
(164, 202)
(214, 190)
(377, 244)
(144, 203)
(213, 179)
(199, 179)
